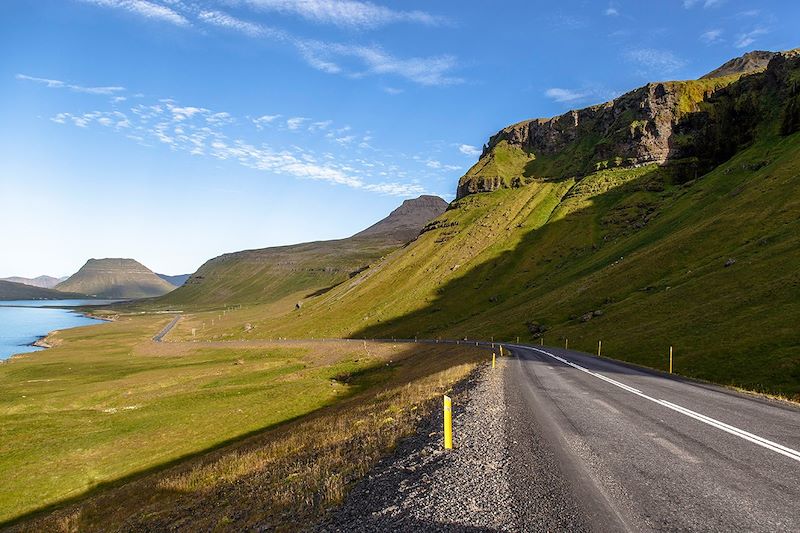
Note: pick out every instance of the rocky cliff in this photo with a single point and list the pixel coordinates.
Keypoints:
(695, 124)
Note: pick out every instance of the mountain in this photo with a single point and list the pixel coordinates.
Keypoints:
(116, 278)
(10, 290)
(746, 64)
(666, 217)
(45, 282)
(177, 280)
(269, 274)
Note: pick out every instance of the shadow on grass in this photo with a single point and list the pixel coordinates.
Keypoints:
(136, 491)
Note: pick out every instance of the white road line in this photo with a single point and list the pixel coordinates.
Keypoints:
(733, 430)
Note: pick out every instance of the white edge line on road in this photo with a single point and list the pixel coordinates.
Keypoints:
(761, 441)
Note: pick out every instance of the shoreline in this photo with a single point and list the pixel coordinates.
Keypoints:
(42, 340)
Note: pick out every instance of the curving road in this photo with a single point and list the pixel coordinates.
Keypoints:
(645, 451)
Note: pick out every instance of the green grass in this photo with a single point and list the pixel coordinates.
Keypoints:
(107, 403)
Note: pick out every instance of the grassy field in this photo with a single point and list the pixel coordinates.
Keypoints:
(106, 403)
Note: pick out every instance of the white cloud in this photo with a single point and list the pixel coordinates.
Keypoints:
(611, 11)
(711, 36)
(655, 61)
(58, 84)
(689, 4)
(145, 9)
(394, 91)
(468, 149)
(746, 39)
(421, 70)
(346, 13)
(294, 123)
(320, 125)
(566, 95)
(224, 20)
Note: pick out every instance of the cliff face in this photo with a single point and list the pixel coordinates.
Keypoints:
(696, 122)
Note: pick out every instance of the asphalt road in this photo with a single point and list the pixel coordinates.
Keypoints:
(643, 451)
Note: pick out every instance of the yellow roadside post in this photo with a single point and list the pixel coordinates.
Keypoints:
(541, 341)
(517, 339)
(448, 423)
(493, 360)
(501, 350)
(599, 347)
(670, 359)
(566, 344)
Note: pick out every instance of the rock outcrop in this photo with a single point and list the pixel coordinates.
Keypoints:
(697, 122)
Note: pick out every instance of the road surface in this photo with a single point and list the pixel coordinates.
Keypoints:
(644, 451)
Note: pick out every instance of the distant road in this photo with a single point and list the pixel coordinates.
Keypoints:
(648, 452)
(167, 328)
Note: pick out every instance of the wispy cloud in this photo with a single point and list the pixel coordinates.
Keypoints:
(374, 60)
(566, 95)
(654, 61)
(711, 36)
(611, 11)
(689, 4)
(345, 13)
(295, 123)
(204, 132)
(145, 9)
(223, 20)
(744, 40)
(468, 149)
(58, 84)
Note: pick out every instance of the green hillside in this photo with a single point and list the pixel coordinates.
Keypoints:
(301, 270)
(10, 290)
(699, 250)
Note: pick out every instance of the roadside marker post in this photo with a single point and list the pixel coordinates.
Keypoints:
(541, 341)
(448, 423)
(517, 339)
(566, 344)
(493, 361)
(599, 347)
(501, 350)
(670, 359)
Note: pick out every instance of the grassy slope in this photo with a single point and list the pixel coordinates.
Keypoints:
(271, 274)
(647, 252)
(10, 290)
(110, 403)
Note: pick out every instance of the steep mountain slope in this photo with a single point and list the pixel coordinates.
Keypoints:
(116, 278)
(45, 282)
(269, 274)
(20, 291)
(666, 217)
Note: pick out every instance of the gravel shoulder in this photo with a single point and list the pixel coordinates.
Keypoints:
(480, 485)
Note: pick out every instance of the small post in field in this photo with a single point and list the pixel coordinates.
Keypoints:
(517, 339)
(670, 359)
(493, 364)
(501, 350)
(541, 341)
(599, 347)
(566, 344)
(448, 423)
(194, 330)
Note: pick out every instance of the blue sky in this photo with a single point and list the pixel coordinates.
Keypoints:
(175, 130)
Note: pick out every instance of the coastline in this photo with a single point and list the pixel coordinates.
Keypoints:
(44, 341)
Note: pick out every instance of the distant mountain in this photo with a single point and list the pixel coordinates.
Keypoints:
(45, 282)
(116, 278)
(269, 274)
(177, 280)
(10, 290)
(405, 222)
